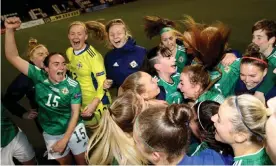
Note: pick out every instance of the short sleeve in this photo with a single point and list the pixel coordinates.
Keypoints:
(34, 73)
(76, 95)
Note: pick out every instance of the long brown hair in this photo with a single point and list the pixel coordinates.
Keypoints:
(154, 24)
(208, 44)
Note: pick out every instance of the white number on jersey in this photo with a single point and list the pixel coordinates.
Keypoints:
(217, 87)
(54, 102)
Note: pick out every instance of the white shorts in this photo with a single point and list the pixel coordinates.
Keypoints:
(19, 147)
(77, 143)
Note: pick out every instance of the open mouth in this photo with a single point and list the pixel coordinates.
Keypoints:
(76, 43)
(60, 73)
(173, 66)
(117, 42)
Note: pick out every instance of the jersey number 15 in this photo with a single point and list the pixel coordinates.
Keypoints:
(52, 101)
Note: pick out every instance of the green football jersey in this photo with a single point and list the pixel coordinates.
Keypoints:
(173, 95)
(258, 158)
(181, 58)
(211, 95)
(230, 75)
(54, 100)
(272, 58)
(8, 128)
(269, 82)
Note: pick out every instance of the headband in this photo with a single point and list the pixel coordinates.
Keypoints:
(257, 59)
(165, 29)
(198, 115)
(39, 45)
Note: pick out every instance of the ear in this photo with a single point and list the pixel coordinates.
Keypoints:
(198, 88)
(155, 157)
(145, 95)
(32, 58)
(157, 66)
(265, 72)
(46, 69)
(272, 40)
(86, 36)
(240, 137)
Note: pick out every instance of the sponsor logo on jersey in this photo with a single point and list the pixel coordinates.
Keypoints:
(79, 65)
(54, 89)
(133, 64)
(65, 91)
(115, 64)
(78, 95)
(100, 74)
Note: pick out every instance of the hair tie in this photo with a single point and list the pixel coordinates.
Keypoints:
(257, 59)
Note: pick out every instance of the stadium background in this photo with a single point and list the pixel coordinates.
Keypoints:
(240, 15)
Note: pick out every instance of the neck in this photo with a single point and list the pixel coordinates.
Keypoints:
(268, 51)
(174, 51)
(246, 148)
(84, 46)
(197, 95)
(166, 77)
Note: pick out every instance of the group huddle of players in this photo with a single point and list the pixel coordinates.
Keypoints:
(190, 100)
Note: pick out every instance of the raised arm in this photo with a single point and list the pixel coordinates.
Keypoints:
(11, 51)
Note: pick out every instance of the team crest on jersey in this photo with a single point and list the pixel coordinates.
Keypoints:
(133, 64)
(181, 59)
(65, 91)
(226, 69)
(79, 65)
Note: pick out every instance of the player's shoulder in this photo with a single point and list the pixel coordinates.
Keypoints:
(181, 48)
(92, 52)
(69, 51)
(72, 83)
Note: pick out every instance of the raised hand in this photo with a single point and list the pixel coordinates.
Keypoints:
(12, 23)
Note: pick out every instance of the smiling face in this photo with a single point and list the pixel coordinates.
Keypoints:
(56, 68)
(77, 36)
(165, 65)
(251, 75)
(117, 35)
(189, 90)
(150, 85)
(223, 125)
(168, 39)
(261, 39)
(38, 56)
